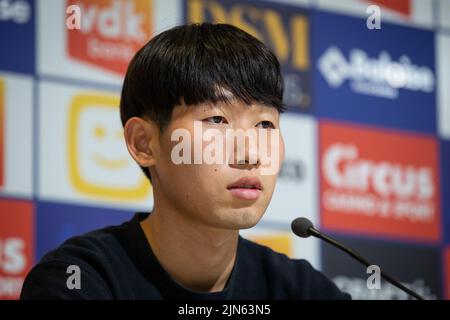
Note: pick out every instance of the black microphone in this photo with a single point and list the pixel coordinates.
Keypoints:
(304, 228)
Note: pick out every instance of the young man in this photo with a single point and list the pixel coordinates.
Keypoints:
(218, 78)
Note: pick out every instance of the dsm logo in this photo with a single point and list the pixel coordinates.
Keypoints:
(284, 28)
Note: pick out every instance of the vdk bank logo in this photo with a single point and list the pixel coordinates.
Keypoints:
(111, 32)
(378, 76)
(99, 164)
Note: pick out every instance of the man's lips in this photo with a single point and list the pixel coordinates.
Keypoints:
(247, 194)
(246, 182)
(248, 188)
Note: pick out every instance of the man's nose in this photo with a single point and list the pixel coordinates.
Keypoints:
(246, 154)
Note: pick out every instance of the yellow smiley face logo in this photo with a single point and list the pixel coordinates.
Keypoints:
(99, 163)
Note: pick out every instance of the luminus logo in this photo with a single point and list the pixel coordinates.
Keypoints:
(99, 164)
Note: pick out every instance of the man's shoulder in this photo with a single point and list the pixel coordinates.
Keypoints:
(93, 245)
(92, 254)
(296, 276)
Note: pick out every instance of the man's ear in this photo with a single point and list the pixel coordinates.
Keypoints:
(141, 137)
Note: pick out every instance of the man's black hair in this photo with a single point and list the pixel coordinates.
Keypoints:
(199, 63)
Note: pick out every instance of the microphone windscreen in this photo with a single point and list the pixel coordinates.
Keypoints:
(300, 227)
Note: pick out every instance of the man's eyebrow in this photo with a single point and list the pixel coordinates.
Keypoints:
(219, 104)
(207, 106)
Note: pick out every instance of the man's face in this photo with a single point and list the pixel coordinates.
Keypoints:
(210, 193)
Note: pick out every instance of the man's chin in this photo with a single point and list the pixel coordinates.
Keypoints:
(243, 220)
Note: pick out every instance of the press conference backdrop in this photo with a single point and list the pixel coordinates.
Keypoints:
(367, 131)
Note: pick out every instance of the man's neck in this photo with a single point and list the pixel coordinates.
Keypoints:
(198, 257)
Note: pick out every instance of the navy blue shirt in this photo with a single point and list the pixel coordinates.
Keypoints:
(118, 263)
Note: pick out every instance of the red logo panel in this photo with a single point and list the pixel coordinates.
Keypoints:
(400, 6)
(111, 32)
(379, 182)
(16, 246)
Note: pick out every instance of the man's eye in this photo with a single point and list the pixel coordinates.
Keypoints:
(216, 119)
(266, 125)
